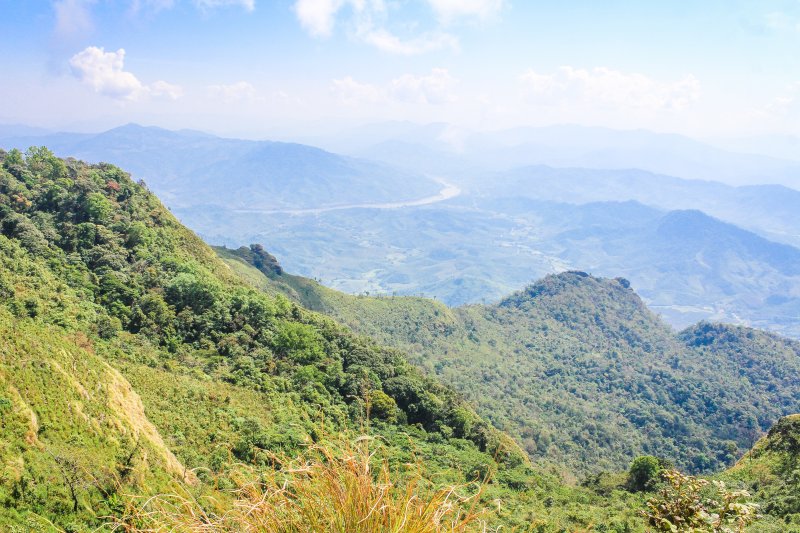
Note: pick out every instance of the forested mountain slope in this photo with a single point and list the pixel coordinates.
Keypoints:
(133, 360)
(771, 471)
(580, 371)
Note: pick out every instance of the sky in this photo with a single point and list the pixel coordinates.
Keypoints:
(272, 69)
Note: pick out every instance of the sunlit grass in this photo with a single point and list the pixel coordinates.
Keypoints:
(333, 488)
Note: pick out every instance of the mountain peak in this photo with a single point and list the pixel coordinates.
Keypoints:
(565, 283)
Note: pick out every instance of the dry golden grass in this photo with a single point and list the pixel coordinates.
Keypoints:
(327, 489)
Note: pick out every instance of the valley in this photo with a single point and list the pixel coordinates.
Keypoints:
(695, 250)
(448, 191)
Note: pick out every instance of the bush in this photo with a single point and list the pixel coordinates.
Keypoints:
(644, 473)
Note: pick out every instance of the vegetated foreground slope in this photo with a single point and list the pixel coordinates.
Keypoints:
(580, 371)
(770, 471)
(134, 361)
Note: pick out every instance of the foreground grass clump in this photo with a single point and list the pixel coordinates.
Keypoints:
(329, 488)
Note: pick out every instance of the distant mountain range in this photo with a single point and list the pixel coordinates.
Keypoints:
(445, 147)
(687, 265)
(769, 210)
(190, 168)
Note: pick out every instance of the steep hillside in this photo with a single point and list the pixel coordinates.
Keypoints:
(134, 361)
(771, 471)
(582, 373)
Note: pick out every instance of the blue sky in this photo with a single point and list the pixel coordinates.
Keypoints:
(260, 68)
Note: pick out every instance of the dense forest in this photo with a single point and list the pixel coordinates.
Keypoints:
(138, 370)
(580, 372)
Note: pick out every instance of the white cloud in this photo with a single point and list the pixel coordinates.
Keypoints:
(73, 17)
(368, 23)
(168, 90)
(352, 92)
(234, 92)
(318, 16)
(104, 72)
(248, 5)
(383, 40)
(610, 88)
(449, 10)
(783, 103)
(435, 88)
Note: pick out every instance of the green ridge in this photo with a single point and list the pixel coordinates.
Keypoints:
(579, 371)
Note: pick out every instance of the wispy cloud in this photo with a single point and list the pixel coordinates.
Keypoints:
(369, 21)
(386, 41)
(317, 17)
(436, 88)
(782, 104)
(781, 21)
(610, 88)
(161, 88)
(105, 73)
(73, 17)
(234, 92)
(247, 5)
(450, 10)
(352, 92)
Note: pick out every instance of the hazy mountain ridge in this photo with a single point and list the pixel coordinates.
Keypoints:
(765, 209)
(564, 146)
(190, 168)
